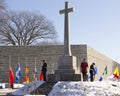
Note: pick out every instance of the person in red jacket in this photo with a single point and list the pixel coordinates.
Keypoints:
(84, 66)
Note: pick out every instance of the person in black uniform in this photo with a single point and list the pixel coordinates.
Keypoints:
(92, 72)
(44, 69)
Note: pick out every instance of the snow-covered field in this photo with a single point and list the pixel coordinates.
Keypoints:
(96, 88)
(61, 88)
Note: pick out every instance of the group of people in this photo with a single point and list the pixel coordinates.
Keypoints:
(84, 70)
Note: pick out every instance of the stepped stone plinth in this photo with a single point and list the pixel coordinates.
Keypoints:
(67, 64)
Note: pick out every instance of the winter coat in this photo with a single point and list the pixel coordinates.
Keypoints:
(84, 66)
(44, 67)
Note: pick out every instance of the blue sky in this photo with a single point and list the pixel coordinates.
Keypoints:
(94, 22)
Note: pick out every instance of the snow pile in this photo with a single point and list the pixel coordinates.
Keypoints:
(96, 88)
(4, 88)
(16, 86)
(28, 88)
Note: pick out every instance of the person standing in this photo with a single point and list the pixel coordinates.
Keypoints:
(84, 66)
(44, 70)
(92, 72)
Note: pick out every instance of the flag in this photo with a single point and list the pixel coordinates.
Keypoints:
(26, 80)
(35, 73)
(18, 73)
(105, 70)
(101, 78)
(116, 73)
(41, 76)
(35, 69)
(11, 76)
(26, 69)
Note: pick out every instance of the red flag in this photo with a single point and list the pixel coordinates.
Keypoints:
(11, 76)
(41, 76)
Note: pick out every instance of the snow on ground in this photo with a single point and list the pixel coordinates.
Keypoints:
(61, 88)
(96, 88)
(20, 89)
(28, 88)
(4, 90)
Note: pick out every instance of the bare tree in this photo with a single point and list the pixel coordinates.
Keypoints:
(50, 42)
(25, 28)
(3, 10)
(2, 6)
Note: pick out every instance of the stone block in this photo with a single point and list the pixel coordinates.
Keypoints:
(67, 64)
(63, 77)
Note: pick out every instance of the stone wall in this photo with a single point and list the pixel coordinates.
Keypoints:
(101, 62)
(51, 53)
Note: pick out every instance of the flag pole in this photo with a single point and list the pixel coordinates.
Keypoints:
(26, 60)
(35, 61)
(9, 61)
(9, 66)
(35, 69)
(11, 75)
(27, 71)
(53, 67)
(35, 76)
(118, 76)
(18, 60)
(18, 66)
(25, 67)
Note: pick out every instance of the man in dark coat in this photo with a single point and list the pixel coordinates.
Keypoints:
(92, 72)
(44, 69)
(84, 66)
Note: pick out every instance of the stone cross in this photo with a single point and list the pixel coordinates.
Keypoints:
(67, 49)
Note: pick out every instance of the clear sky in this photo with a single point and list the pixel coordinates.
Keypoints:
(94, 22)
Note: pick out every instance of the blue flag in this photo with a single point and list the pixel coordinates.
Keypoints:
(18, 74)
(101, 78)
(105, 72)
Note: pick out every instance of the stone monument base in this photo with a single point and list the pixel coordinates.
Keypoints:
(67, 64)
(63, 77)
(67, 70)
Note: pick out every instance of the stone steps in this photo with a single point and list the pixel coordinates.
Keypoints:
(44, 89)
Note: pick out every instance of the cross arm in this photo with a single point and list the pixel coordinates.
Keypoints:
(66, 11)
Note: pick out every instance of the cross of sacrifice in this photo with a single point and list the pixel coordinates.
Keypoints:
(67, 49)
